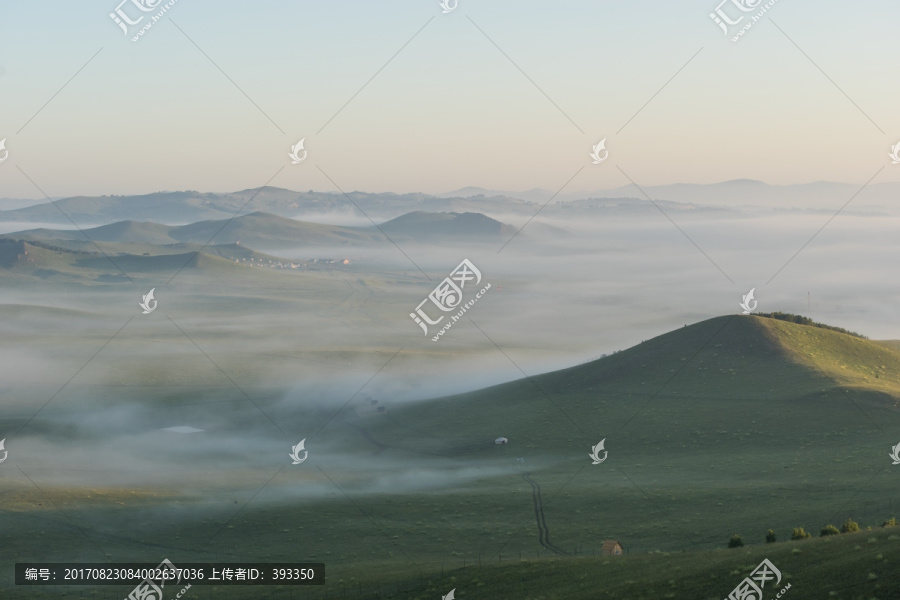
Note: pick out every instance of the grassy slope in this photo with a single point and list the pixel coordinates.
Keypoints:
(892, 344)
(863, 565)
(260, 229)
(744, 365)
(849, 361)
(719, 427)
(722, 426)
(81, 262)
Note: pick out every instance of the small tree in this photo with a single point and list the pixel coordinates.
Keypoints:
(798, 533)
(736, 541)
(829, 530)
(849, 526)
(892, 522)
(770, 536)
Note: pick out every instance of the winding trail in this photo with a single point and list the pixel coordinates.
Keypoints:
(543, 528)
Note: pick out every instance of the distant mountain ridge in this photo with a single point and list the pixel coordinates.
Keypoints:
(192, 206)
(267, 231)
(727, 194)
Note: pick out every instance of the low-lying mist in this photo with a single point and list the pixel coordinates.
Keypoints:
(260, 364)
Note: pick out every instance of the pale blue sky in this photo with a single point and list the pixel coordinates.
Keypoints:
(450, 110)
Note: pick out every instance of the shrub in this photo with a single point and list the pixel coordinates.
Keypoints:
(892, 522)
(829, 530)
(798, 533)
(849, 526)
(736, 541)
(770, 537)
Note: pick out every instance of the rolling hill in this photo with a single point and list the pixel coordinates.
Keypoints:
(734, 424)
(424, 226)
(190, 206)
(259, 230)
(160, 206)
(266, 231)
(734, 362)
(72, 261)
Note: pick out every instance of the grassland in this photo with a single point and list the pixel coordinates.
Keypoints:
(735, 424)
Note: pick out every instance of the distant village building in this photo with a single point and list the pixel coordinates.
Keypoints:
(501, 440)
(611, 548)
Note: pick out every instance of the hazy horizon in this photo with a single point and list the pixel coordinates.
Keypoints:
(487, 100)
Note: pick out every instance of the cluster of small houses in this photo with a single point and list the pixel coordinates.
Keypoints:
(273, 264)
(610, 547)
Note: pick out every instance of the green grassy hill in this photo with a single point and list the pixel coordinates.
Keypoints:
(847, 360)
(121, 231)
(78, 261)
(723, 368)
(264, 230)
(736, 424)
(164, 263)
(260, 230)
(732, 424)
(858, 566)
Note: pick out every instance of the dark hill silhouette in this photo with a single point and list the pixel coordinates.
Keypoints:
(424, 226)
